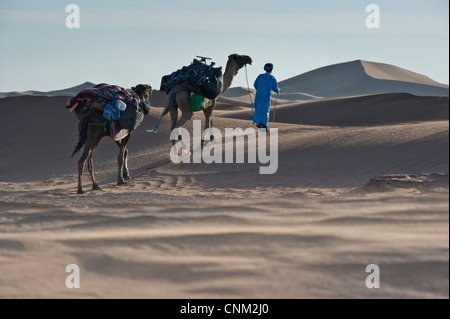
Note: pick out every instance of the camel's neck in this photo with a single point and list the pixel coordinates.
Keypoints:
(230, 72)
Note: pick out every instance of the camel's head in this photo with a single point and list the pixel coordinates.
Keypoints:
(143, 91)
(240, 60)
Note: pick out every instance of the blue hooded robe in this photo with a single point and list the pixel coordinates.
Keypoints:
(265, 83)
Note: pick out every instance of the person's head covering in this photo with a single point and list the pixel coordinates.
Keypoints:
(268, 67)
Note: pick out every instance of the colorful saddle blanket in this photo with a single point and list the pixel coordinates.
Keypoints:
(102, 93)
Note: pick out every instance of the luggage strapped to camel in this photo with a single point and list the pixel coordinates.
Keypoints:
(118, 107)
(204, 80)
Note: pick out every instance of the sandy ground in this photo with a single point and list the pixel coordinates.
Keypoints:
(369, 186)
(296, 245)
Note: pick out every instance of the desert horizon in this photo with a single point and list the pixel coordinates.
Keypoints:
(369, 69)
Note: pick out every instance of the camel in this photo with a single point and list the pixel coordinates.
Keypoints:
(92, 128)
(179, 95)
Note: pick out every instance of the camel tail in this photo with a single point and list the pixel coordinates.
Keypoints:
(81, 137)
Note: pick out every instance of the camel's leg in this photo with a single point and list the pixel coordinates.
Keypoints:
(120, 160)
(173, 118)
(126, 172)
(184, 118)
(90, 160)
(181, 100)
(84, 156)
(208, 121)
(120, 180)
(93, 135)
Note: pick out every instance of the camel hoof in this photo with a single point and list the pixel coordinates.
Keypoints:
(80, 191)
(121, 183)
(127, 178)
(96, 188)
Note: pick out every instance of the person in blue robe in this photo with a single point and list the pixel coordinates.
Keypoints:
(265, 83)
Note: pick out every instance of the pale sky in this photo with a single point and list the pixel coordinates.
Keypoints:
(131, 42)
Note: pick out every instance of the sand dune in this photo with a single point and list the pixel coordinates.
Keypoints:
(362, 78)
(384, 71)
(361, 180)
(158, 98)
(241, 96)
(354, 78)
(72, 91)
(380, 109)
(404, 116)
